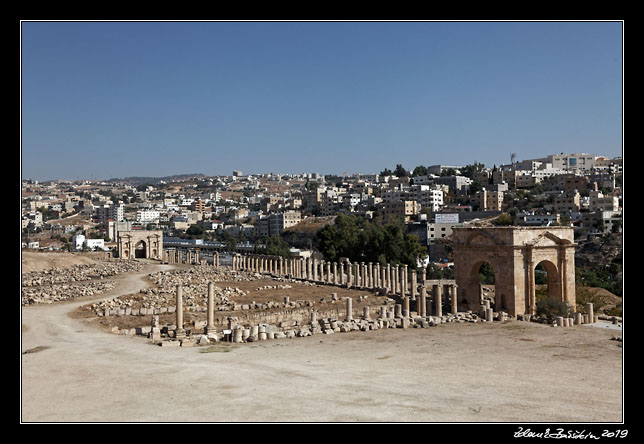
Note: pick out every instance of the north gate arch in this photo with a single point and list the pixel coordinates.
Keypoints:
(142, 244)
(513, 253)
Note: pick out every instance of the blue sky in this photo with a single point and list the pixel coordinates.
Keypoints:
(117, 99)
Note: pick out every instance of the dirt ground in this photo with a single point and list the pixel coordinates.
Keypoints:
(502, 372)
(39, 261)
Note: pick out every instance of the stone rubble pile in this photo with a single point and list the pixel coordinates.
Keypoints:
(76, 273)
(239, 333)
(195, 289)
(64, 292)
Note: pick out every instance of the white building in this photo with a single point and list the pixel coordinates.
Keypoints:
(147, 216)
(77, 241)
(95, 244)
(573, 162)
(532, 219)
(599, 202)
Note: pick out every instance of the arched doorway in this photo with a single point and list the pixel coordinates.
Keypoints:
(546, 281)
(139, 250)
(483, 273)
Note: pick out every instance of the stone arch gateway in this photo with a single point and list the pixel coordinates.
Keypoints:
(142, 244)
(514, 253)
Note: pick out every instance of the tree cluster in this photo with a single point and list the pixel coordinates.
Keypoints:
(362, 240)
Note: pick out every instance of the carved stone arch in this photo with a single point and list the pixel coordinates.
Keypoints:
(513, 253)
(546, 238)
(481, 238)
(140, 243)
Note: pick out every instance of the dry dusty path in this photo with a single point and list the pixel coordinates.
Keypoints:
(515, 372)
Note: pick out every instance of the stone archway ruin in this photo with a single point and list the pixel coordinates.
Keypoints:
(142, 244)
(514, 253)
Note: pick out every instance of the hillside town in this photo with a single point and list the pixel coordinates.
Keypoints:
(579, 190)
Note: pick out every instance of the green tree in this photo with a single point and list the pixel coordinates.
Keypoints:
(470, 170)
(311, 185)
(361, 240)
(448, 172)
(486, 274)
(419, 171)
(475, 186)
(276, 246)
(195, 230)
(503, 220)
(400, 171)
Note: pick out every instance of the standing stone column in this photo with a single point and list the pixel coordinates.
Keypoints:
(422, 301)
(349, 309)
(210, 326)
(414, 285)
(405, 307)
(315, 269)
(578, 318)
(396, 276)
(365, 313)
(389, 283)
(439, 300)
(590, 312)
(404, 281)
(335, 273)
(453, 298)
(383, 277)
(328, 273)
(180, 332)
(359, 274)
(376, 275)
(370, 275)
(365, 274)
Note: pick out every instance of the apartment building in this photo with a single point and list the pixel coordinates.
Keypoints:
(489, 200)
(106, 212)
(198, 205)
(567, 203)
(404, 209)
(147, 216)
(599, 202)
(275, 223)
(573, 162)
(532, 219)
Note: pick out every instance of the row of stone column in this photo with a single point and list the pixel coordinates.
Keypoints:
(190, 257)
(398, 311)
(210, 325)
(396, 279)
(439, 289)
